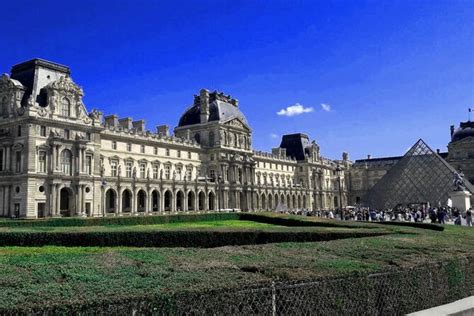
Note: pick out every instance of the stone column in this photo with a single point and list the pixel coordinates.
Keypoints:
(8, 158)
(83, 199)
(118, 202)
(58, 197)
(185, 202)
(79, 200)
(134, 201)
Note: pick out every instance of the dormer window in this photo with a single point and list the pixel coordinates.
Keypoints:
(65, 107)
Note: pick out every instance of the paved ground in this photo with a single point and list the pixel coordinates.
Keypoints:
(462, 307)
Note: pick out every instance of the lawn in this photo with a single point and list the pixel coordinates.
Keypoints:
(32, 277)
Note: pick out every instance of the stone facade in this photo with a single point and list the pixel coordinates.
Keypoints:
(58, 159)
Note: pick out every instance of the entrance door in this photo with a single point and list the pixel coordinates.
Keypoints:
(41, 210)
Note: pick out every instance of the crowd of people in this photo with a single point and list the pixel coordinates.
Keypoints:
(420, 214)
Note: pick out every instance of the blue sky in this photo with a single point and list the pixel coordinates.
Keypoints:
(387, 72)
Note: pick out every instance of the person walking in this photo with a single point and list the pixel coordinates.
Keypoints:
(468, 217)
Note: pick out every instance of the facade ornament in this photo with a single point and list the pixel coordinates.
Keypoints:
(134, 173)
(119, 170)
(458, 181)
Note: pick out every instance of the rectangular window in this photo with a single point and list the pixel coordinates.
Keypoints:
(66, 134)
(142, 170)
(42, 161)
(114, 145)
(129, 147)
(212, 174)
(18, 161)
(1, 159)
(155, 150)
(113, 168)
(179, 153)
(167, 152)
(19, 131)
(43, 131)
(142, 149)
(212, 157)
(189, 172)
(167, 172)
(155, 171)
(178, 173)
(189, 155)
(89, 165)
(128, 169)
(88, 136)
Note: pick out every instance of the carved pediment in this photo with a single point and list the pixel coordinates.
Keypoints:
(237, 123)
(66, 84)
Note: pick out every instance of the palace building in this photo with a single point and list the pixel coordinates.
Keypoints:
(59, 159)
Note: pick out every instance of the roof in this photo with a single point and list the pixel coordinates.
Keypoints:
(42, 63)
(218, 111)
(466, 129)
(296, 145)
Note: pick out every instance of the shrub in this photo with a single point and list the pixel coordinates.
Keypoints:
(122, 220)
(180, 238)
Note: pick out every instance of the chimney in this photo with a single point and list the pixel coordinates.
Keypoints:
(163, 130)
(369, 156)
(204, 98)
(345, 156)
(437, 151)
(452, 130)
(139, 125)
(111, 120)
(126, 122)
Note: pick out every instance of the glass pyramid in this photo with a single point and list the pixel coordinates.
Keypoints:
(421, 176)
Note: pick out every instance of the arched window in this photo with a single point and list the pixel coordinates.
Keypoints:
(66, 162)
(65, 107)
(211, 138)
(197, 137)
(3, 106)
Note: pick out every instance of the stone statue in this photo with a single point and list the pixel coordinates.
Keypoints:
(134, 173)
(161, 174)
(148, 174)
(458, 181)
(119, 170)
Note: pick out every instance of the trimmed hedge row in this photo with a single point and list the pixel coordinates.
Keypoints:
(413, 224)
(293, 222)
(201, 239)
(122, 220)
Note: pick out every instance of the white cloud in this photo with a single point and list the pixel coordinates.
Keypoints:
(296, 109)
(274, 136)
(325, 107)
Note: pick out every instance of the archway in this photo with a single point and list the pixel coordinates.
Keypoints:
(168, 199)
(288, 201)
(126, 201)
(282, 200)
(202, 200)
(110, 201)
(179, 201)
(294, 202)
(276, 201)
(336, 204)
(141, 201)
(66, 202)
(270, 202)
(191, 201)
(299, 201)
(242, 201)
(211, 201)
(155, 201)
(264, 202)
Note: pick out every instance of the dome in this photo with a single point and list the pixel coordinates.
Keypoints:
(465, 130)
(218, 111)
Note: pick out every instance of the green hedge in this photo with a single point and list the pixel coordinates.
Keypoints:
(413, 224)
(184, 238)
(121, 220)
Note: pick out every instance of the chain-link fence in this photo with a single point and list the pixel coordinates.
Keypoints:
(396, 292)
(393, 293)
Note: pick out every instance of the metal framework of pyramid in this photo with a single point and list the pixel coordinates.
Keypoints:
(421, 176)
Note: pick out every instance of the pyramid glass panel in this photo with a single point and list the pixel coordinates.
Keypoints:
(421, 176)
